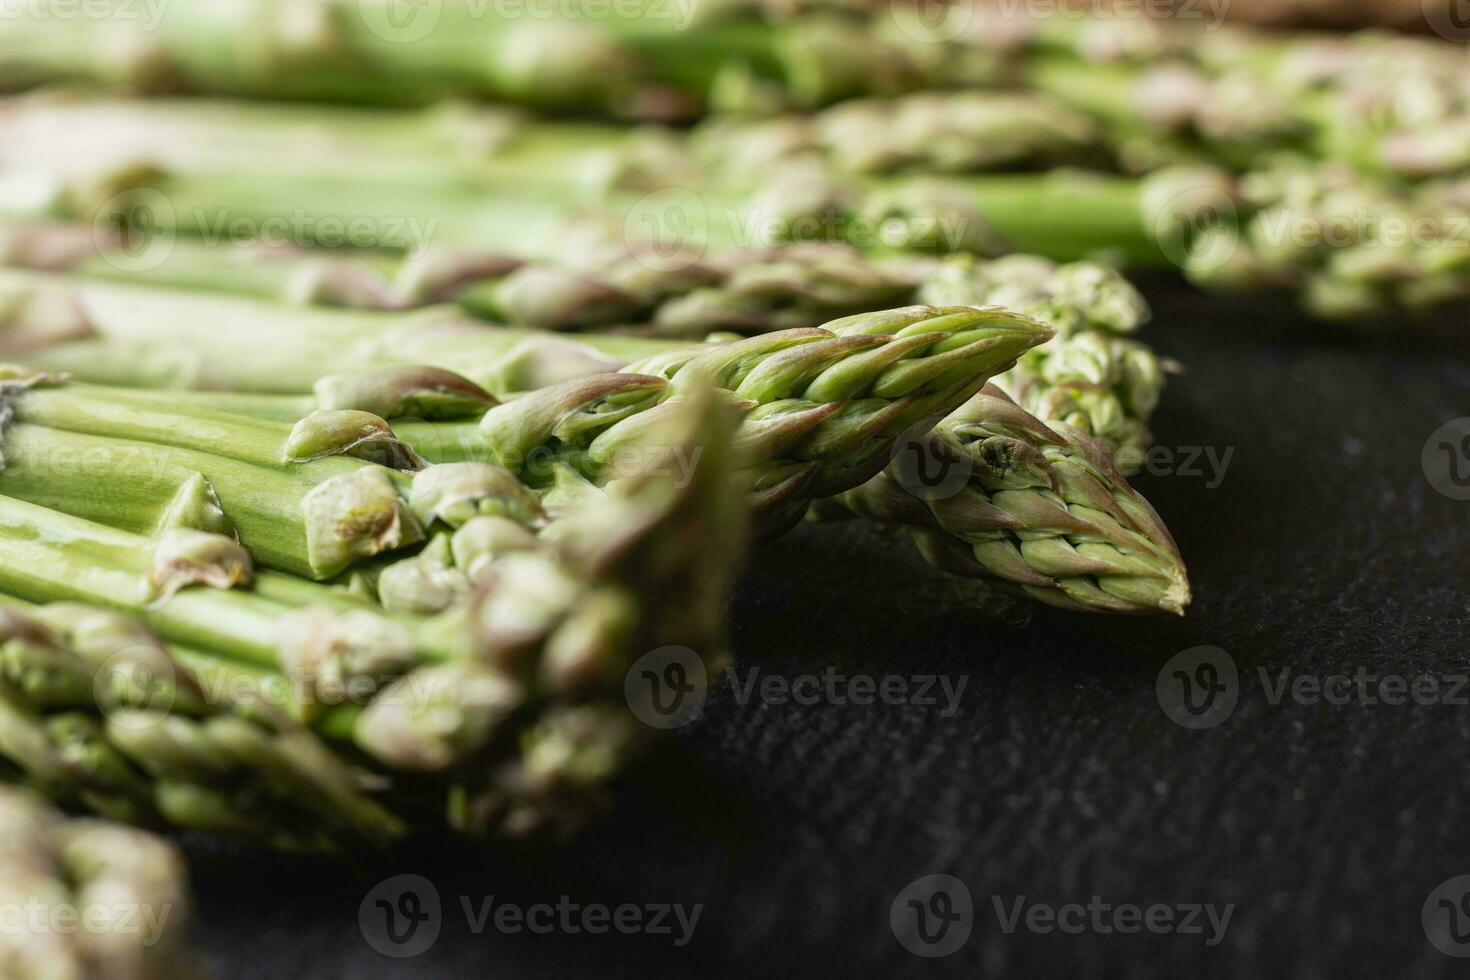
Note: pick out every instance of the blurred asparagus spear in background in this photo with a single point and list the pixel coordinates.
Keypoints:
(636, 258)
(1167, 91)
(129, 887)
(743, 291)
(660, 60)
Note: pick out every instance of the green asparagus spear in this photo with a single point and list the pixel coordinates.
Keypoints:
(1039, 508)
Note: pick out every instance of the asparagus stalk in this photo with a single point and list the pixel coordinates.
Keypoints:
(818, 418)
(1162, 89)
(91, 871)
(1103, 384)
(588, 288)
(512, 258)
(697, 209)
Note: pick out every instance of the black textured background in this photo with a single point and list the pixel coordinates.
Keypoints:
(1325, 548)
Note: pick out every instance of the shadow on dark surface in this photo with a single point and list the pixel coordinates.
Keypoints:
(1054, 775)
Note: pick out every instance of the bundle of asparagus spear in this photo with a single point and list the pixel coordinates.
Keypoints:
(355, 444)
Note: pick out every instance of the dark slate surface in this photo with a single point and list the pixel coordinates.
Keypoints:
(1325, 549)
